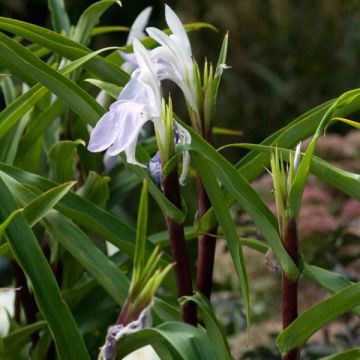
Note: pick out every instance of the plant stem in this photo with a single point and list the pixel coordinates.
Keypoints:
(178, 249)
(206, 242)
(24, 297)
(290, 287)
(206, 247)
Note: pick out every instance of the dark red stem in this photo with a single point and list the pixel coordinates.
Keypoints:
(290, 287)
(206, 247)
(25, 298)
(178, 249)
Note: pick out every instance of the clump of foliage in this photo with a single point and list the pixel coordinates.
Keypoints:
(64, 201)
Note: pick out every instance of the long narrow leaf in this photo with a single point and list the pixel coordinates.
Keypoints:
(89, 19)
(64, 47)
(19, 59)
(59, 17)
(235, 183)
(313, 319)
(26, 249)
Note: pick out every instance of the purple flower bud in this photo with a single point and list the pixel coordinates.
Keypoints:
(155, 169)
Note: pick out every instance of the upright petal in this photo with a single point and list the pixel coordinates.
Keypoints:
(138, 26)
(178, 30)
(147, 75)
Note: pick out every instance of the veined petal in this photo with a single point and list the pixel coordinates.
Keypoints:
(130, 153)
(147, 75)
(182, 136)
(166, 41)
(132, 119)
(134, 91)
(129, 58)
(178, 30)
(138, 26)
(105, 132)
(166, 64)
(185, 168)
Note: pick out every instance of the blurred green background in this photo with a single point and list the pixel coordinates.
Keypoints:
(286, 56)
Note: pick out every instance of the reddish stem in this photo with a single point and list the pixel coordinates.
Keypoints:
(178, 249)
(290, 287)
(206, 247)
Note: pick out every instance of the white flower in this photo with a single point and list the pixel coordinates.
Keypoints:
(136, 32)
(117, 332)
(139, 102)
(7, 301)
(297, 157)
(173, 59)
(183, 137)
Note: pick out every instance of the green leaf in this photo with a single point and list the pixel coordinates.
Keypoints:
(88, 255)
(352, 354)
(11, 344)
(110, 89)
(65, 47)
(38, 208)
(8, 220)
(37, 128)
(19, 60)
(10, 143)
(81, 210)
(213, 328)
(249, 199)
(141, 231)
(92, 217)
(352, 123)
(223, 215)
(19, 107)
(343, 180)
(59, 17)
(100, 30)
(95, 189)
(182, 340)
(89, 19)
(5, 250)
(61, 159)
(328, 280)
(29, 255)
(165, 205)
(313, 319)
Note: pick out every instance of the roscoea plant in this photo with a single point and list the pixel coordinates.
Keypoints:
(58, 210)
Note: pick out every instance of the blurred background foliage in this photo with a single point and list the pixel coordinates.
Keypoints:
(286, 57)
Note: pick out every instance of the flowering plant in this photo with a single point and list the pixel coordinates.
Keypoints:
(90, 270)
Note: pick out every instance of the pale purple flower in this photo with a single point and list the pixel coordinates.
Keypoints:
(297, 157)
(139, 102)
(181, 137)
(173, 57)
(116, 332)
(136, 32)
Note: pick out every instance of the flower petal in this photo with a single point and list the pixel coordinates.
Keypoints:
(178, 30)
(105, 132)
(132, 120)
(138, 26)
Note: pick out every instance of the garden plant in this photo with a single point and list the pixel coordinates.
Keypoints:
(94, 153)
